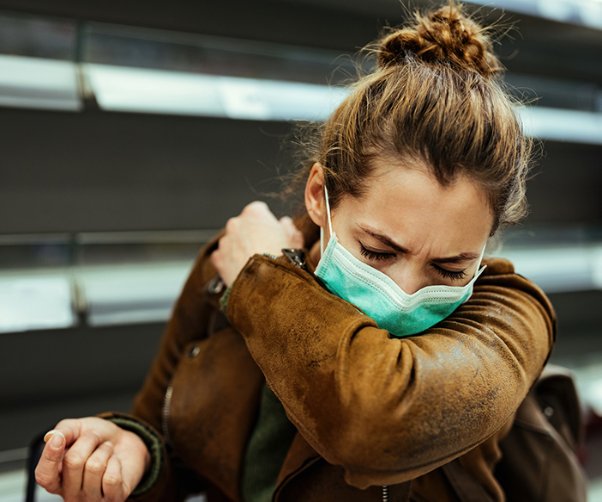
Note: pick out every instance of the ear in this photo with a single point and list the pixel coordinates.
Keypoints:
(314, 195)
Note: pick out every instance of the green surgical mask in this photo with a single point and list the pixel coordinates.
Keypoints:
(379, 297)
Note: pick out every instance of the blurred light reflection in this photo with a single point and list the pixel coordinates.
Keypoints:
(584, 12)
(28, 82)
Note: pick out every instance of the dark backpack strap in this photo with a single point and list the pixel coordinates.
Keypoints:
(36, 446)
(539, 462)
(556, 393)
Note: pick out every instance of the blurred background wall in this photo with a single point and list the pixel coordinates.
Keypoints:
(131, 131)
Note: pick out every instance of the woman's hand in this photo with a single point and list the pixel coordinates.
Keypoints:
(255, 230)
(91, 459)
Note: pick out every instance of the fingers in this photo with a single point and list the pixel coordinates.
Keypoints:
(74, 462)
(113, 487)
(69, 427)
(232, 225)
(48, 470)
(287, 222)
(297, 240)
(257, 208)
(72, 459)
(94, 471)
(255, 211)
(294, 236)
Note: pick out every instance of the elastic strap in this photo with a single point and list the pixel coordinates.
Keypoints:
(329, 221)
(328, 209)
(479, 268)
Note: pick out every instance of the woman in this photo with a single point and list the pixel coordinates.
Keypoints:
(361, 369)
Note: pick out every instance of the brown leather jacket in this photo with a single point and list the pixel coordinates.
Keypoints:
(370, 410)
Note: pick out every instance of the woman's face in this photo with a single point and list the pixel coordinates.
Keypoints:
(409, 226)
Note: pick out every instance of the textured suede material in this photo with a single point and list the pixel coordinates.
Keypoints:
(210, 427)
(400, 407)
(370, 410)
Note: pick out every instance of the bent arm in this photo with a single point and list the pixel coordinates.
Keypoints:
(389, 409)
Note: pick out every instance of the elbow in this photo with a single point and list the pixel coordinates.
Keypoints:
(372, 455)
(392, 443)
(369, 442)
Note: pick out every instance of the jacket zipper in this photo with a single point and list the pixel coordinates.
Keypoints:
(385, 493)
(165, 413)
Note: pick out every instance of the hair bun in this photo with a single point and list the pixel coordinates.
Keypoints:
(444, 35)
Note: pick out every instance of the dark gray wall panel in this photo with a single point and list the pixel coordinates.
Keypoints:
(288, 22)
(102, 171)
(566, 184)
(46, 376)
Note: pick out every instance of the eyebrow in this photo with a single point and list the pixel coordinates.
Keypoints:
(462, 257)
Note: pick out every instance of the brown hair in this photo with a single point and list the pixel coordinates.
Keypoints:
(436, 97)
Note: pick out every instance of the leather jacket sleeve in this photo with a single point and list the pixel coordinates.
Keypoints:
(391, 409)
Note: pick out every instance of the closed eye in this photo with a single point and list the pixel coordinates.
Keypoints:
(375, 255)
(450, 274)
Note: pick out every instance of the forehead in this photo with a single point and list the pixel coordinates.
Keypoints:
(411, 207)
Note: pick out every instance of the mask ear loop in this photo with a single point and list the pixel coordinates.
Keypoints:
(480, 269)
(329, 221)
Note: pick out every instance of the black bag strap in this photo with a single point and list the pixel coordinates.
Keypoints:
(36, 446)
(556, 393)
(548, 420)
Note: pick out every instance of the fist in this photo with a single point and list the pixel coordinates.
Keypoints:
(255, 230)
(91, 459)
